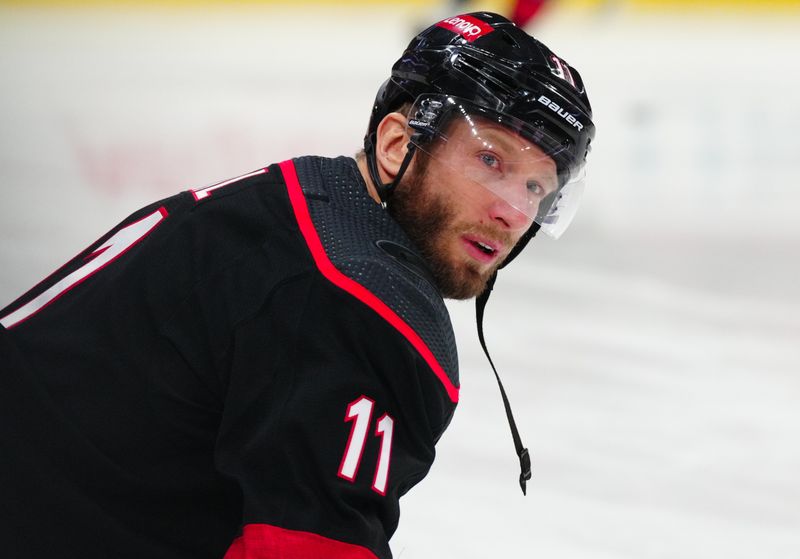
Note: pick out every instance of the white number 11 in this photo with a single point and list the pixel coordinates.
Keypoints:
(360, 413)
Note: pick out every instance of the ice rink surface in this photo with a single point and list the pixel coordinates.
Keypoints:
(651, 355)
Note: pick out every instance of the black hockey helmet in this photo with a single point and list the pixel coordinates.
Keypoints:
(483, 63)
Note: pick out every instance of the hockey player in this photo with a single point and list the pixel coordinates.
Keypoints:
(261, 368)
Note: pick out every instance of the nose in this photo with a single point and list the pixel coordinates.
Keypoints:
(507, 216)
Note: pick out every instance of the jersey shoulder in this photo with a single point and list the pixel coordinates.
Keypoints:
(357, 245)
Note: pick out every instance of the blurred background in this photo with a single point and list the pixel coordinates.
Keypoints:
(651, 354)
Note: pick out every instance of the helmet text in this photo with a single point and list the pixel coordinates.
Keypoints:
(561, 112)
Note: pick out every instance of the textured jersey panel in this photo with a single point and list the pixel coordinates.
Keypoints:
(352, 227)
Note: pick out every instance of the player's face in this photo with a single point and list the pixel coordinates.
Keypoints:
(463, 229)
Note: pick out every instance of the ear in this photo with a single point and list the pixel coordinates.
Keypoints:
(391, 145)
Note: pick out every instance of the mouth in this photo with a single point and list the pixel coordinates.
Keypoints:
(482, 250)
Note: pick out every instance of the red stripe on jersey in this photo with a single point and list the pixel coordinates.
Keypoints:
(262, 541)
(351, 286)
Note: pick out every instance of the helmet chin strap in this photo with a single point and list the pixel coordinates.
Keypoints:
(521, 243)
(522, 452)
(383, 189)
(480, 307)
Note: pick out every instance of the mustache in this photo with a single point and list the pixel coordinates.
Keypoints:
(491, 233)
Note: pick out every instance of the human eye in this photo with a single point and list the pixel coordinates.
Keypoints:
(534, 188)
(489, 160)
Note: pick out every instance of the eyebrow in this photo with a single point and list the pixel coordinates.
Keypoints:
(499, 135)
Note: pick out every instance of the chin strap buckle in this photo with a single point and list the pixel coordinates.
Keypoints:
(525, 469)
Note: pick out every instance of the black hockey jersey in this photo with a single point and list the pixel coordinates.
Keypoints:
(259, 368)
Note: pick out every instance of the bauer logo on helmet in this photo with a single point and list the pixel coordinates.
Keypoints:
(544, 100)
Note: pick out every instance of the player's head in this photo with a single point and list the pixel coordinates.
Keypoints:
(477, 89)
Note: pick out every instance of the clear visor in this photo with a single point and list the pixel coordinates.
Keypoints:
(528, 169)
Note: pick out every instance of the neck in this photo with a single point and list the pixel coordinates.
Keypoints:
(362, 167)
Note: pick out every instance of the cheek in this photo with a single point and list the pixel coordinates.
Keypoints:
(456, 197)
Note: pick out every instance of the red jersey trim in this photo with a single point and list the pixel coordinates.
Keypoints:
(262, 541)
(360, 292)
